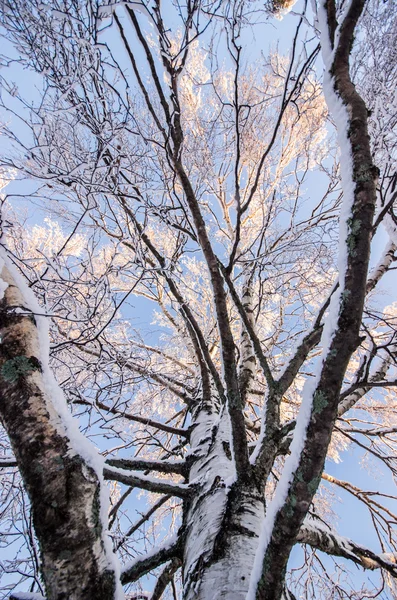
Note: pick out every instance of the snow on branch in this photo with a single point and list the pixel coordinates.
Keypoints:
(340, 338)
(147, 483)
(383, 265)
(55, 460)
(328, 541)
(164, 466)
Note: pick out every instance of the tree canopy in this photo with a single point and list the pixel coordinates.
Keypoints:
(198, 243)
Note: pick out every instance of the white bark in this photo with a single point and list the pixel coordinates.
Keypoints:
(218, 555)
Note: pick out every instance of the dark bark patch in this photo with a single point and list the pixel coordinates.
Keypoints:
(20, 366)
(226, 449)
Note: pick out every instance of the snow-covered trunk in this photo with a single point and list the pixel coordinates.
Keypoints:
(341, 335)
(63, 487)
(222, 520)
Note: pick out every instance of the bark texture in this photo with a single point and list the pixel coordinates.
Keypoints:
(223, 519)
(346, 337)
(63, 489)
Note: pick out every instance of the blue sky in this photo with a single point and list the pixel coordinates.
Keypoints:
(353, 518)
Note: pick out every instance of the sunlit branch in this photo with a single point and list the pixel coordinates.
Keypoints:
(331, 543)
(284, 104)
(151, 349)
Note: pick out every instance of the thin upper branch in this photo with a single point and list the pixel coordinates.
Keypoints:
(136, 418)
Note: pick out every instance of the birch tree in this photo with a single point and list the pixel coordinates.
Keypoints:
(193, 327)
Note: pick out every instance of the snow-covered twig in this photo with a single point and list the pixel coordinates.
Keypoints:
(328, 541)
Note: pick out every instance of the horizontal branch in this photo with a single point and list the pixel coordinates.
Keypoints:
(147, 483)
(364, 496)
(26, 596)
(372, 384)
(143, 565)
(145, 421)
(163, 466)
(164, 380)
(8, 462)
(378, 432)
(330, 542)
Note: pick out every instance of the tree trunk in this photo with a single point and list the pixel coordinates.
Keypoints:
(223, 519)
(64, 490)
